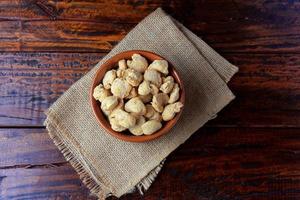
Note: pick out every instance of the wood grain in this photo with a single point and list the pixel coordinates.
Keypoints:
(42, 183)
(31, 82)
(60, 36)
(74, 36)
(31, 147)
(267, 87)
(214, 164)
(80, 26)
(120, 11)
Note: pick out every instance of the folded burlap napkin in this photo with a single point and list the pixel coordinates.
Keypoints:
(109, 166)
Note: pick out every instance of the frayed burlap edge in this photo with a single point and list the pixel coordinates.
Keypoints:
(146, 182)
(96, 189)
(85, 177)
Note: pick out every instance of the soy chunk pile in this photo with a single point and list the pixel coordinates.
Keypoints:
(137, 96)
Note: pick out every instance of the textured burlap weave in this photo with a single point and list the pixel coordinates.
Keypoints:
(109, 166)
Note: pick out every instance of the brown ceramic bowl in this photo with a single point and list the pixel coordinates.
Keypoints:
(102, 119)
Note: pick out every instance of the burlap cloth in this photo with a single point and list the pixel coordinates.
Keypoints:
(109, 166)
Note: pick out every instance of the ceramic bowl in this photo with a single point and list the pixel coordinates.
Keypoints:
(102, 119)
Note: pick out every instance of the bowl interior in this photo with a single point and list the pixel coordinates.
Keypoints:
(101, 118)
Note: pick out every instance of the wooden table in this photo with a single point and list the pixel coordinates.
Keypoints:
(251, 151)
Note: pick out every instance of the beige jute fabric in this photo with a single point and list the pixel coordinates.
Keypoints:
(109, 166)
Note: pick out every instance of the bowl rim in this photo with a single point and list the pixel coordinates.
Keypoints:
(132, 138)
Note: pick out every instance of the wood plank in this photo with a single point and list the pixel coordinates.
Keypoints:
(42, 183)
(31, 82)
(275, 12)
(27, 147)
(60, 36)
(267, 87)
(109, 11)
(76, 36)
(218, 163)
(259, 26)
(66, 36)
(267, 92)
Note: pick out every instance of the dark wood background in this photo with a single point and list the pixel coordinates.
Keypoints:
(251, 151)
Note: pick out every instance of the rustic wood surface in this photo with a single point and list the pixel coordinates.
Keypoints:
(250, 151)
